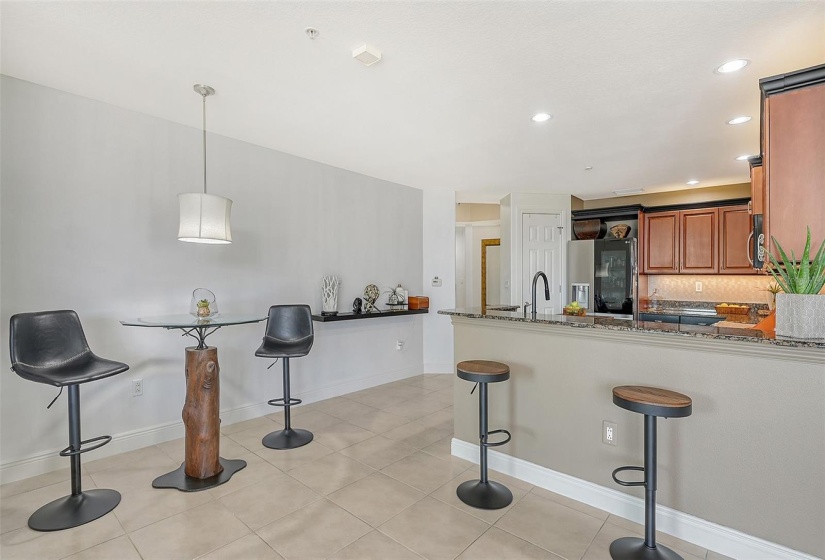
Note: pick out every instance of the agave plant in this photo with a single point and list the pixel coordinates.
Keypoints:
(806, 277)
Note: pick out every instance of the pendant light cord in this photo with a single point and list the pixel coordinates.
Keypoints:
(204, 143)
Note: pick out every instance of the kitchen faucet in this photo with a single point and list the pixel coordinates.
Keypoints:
(546, 292)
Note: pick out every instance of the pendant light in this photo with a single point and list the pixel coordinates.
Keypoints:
(204, 218)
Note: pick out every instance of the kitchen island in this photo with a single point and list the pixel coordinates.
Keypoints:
(750, 457)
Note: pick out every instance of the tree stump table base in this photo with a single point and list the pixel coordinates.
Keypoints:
(178, 478)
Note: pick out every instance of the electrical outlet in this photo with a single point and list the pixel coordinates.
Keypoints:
(698, 286)
(137, 387)
(609, 432)
(399, 344)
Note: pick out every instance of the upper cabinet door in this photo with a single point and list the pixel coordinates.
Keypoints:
(735, 241)
(795, 167)
(699, 241)
(661, 243)
(757, 190)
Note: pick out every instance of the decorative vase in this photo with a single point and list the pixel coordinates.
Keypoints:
(203, 304)
(800, 315)
(329, 294)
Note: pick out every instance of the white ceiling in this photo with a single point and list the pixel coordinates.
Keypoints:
(631, 85)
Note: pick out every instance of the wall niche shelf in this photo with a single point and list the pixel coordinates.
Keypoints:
(349, 315)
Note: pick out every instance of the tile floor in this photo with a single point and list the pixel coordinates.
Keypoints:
(377, 482)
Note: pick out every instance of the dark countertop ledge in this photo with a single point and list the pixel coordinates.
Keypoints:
(718, 333)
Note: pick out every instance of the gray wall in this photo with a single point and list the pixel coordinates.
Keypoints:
(750, 457)
(89, 222)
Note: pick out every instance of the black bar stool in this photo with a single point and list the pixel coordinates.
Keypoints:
(50, 347)
(484, 493)
(651, 402)
(288, 335)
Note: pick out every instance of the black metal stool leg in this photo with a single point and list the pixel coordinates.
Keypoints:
(81, 507)
(634, 548)
(288, 438)
(483, 493)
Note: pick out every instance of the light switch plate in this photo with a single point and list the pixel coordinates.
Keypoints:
(437, 282)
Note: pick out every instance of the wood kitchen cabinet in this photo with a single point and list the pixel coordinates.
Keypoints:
(757, 186)
(661, 243)
(793, 153)
(735, 240)
(699, 241)
(681, 241)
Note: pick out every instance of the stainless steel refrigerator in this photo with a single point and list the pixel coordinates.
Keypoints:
(606, 270)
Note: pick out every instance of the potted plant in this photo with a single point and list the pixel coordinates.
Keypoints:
(203, 308)
(800, 310)
(772, 289)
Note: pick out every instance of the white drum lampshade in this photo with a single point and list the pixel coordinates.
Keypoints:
(204, 218)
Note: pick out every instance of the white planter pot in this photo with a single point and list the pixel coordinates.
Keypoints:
(800, 315)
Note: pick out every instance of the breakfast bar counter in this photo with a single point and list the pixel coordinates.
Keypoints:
(607, 323)
(749, 458)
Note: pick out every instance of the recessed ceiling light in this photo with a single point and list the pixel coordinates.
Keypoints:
(733, 66)
(739, 120)
(693, 182)
(744, 157)
(588, 168)
(541, 117)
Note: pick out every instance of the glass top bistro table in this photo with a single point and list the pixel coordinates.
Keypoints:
(203, 467)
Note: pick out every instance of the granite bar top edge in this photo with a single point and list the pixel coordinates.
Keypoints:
(740, 335)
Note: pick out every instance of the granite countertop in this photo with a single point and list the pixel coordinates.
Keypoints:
(719, 333)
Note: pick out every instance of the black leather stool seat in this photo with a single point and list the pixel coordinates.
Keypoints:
(289, 334)
(483, 371)
(652, 401)
(50, 347)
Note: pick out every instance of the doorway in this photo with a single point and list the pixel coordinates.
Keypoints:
(490, 272)
(542, 244)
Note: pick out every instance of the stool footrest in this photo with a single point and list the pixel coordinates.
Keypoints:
(69, 452)
(486, 443)
(626, 483)
(284, 402)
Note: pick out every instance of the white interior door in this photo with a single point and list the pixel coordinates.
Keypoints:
(541, 248)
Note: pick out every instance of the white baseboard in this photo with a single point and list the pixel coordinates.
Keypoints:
(437, 367)
(706, 534)
(49, 460)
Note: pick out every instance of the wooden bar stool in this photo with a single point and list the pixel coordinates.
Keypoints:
(652, 402)
(484, 493)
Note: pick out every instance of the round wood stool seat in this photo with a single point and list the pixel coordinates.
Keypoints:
(652, 401)
(483, 371)
(482, 492)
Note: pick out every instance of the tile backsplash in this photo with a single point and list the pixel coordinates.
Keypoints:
(715, 288)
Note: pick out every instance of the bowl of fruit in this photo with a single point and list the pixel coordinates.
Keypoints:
(575, 309)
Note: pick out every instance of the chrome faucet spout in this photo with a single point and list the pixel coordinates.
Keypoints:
(546, 291)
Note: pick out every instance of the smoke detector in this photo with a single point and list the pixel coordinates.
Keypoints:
(366, 55)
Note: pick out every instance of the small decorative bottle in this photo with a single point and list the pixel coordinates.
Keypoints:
(655, 300)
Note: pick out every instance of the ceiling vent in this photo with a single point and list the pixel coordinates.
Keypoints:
(625, 192)
(366, 55)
